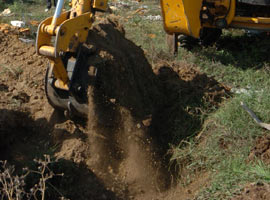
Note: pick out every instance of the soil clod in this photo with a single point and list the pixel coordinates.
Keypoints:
(122, 152)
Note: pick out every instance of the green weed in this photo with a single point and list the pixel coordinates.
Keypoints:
(227, 134)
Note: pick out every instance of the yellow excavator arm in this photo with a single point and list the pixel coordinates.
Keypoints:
(60, 38)
(64, 32)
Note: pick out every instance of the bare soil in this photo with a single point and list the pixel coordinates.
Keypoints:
(254, 191)
(257, 191)
(121, 152)
(261, 149)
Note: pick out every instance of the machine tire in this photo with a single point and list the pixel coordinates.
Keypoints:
(57, 98)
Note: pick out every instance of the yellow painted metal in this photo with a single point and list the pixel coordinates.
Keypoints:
(182, 16)
(70, 29)
(223, 9)
(48, 51)
(80, 7)
(60, 73)
(64, 32)
(253, 20)
(258, 23)
(44, 38)
(186, 16)
(72, 32)
(44, 47)
(231, 13)
(100, 4)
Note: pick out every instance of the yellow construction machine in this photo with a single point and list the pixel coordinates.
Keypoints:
(60, 38)
(204, 20)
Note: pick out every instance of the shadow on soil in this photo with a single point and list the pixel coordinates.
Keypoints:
(178, 117)
(129, 150)
(23, 139)
(187, 103)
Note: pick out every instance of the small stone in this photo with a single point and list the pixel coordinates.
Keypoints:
(113, 100)
(147, 122)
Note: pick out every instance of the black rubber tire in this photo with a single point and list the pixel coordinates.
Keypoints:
(56, 98)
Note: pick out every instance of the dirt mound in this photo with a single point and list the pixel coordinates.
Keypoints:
(189, 94)
(23, 106)
(194, 83)
(258, 191)
(22, 75)
(136, 113)
(261, 149)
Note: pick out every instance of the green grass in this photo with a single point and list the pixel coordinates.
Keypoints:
(228, 138)
(27, 10)
(227, 133)
(240, 62)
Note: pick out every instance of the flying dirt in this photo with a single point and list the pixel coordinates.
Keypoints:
(121, 152)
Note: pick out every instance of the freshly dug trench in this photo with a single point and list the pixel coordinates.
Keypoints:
(128, 155)
(10, 123)
(118, 157)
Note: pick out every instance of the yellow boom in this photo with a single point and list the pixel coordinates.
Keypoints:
(69, 29)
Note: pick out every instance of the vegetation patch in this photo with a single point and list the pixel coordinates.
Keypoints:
(201, 123)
